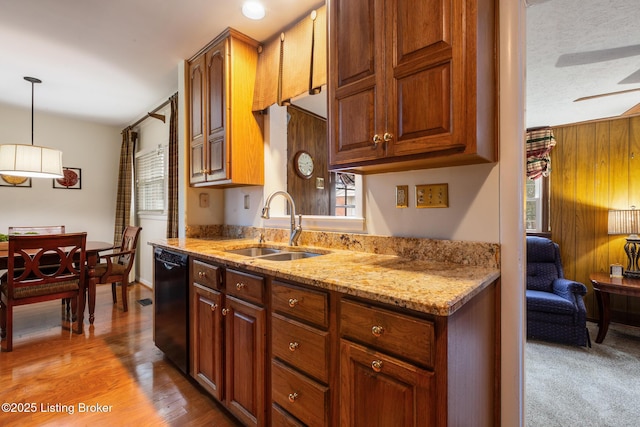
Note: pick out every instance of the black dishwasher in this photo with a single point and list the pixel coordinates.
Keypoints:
(171, 306)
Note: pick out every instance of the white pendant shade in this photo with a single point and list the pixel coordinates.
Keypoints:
(30, 161)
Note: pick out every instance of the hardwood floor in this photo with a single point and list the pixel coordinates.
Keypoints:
(112, 375)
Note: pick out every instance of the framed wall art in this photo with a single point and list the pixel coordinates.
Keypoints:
(72, 179)
(14, 181)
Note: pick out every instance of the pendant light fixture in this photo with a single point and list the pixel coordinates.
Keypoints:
(31, 161)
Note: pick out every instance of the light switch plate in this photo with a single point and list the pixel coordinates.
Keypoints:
(432, 196)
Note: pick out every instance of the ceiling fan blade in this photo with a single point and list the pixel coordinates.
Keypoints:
(601, 55)
(632, 78)
(600, 95)
(530, 3)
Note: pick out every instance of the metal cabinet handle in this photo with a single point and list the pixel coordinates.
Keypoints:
(377, 330)
(293, 397)
(387, 137)
(293, 346)
(293, 302)
(376, 365)
(226, 311)
(377, 139)
(240, 285)
(202, 274)
(213, 307)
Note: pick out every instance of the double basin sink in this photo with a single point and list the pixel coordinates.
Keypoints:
(273, 254)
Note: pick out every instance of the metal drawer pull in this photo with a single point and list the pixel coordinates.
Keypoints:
(213, 307)
(377, 330)
(202, 274)
(293, 302)
(293, 346)
(293, 397)
(226, 311)
(240, 285)
(387, 137)
(376, 365)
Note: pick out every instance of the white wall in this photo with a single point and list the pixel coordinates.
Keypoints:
(151, 134)
(92, 147)
(471, 215)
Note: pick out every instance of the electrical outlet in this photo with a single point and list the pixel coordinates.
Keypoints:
(204, 200)
(247, 201)
(432, 196)
(402, 196)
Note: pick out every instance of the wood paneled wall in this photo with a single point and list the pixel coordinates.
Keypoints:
(595, 167)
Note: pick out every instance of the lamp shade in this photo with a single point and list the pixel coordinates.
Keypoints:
(30, 161)
(624, 221)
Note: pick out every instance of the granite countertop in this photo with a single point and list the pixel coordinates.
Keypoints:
(436, 288)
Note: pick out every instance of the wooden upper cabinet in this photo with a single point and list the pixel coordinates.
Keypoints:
(220, 86)
(411, 84)
(196, 120)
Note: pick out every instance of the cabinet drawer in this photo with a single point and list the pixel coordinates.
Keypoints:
(300, 396)
(300, 345)
(402, 335)
(300, 303)
(245, 286)
(205, 274)
(280, 418)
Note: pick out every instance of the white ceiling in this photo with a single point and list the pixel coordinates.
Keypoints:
(111, 61)
(580, 48)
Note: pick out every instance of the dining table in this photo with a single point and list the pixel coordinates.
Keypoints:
(93, 249)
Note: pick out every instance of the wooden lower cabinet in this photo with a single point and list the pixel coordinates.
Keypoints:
(379, 390)
(206, 355)
(228, 340)
(282, 354)
(245, 361)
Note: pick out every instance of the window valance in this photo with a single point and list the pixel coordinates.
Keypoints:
(293, 62)
(539, 142)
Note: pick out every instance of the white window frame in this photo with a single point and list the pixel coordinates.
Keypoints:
(537, 200)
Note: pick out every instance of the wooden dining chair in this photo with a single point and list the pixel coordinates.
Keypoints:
(27, 282)
(114, 267)
(40, 229)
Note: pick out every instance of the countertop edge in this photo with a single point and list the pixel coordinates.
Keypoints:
(454, 285)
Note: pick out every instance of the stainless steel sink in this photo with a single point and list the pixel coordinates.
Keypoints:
(289, 256)
(255, 251)
(273, 254)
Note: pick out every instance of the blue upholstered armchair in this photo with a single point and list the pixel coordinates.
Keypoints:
(555, 310)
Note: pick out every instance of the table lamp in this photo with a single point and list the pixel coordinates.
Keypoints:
(628, 222)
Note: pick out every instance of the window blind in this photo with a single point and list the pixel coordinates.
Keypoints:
(151, 183)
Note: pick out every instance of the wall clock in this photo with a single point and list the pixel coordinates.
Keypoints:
(303, 164)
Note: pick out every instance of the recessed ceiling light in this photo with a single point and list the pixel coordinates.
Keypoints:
(253, 10)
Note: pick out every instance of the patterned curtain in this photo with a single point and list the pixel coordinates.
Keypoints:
(539, 143)
(125, 182)
(172, 191)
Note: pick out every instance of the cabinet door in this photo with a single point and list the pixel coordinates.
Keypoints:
(378, 390)
(422, 97)
(196, 120)
(245, 361)
(357, 97)
(217, 111)
(207, 356)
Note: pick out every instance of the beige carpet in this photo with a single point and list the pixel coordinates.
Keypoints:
(581, 386)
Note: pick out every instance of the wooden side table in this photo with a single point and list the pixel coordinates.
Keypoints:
(603, 285)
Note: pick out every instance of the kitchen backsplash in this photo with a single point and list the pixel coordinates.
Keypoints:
(449, 251)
